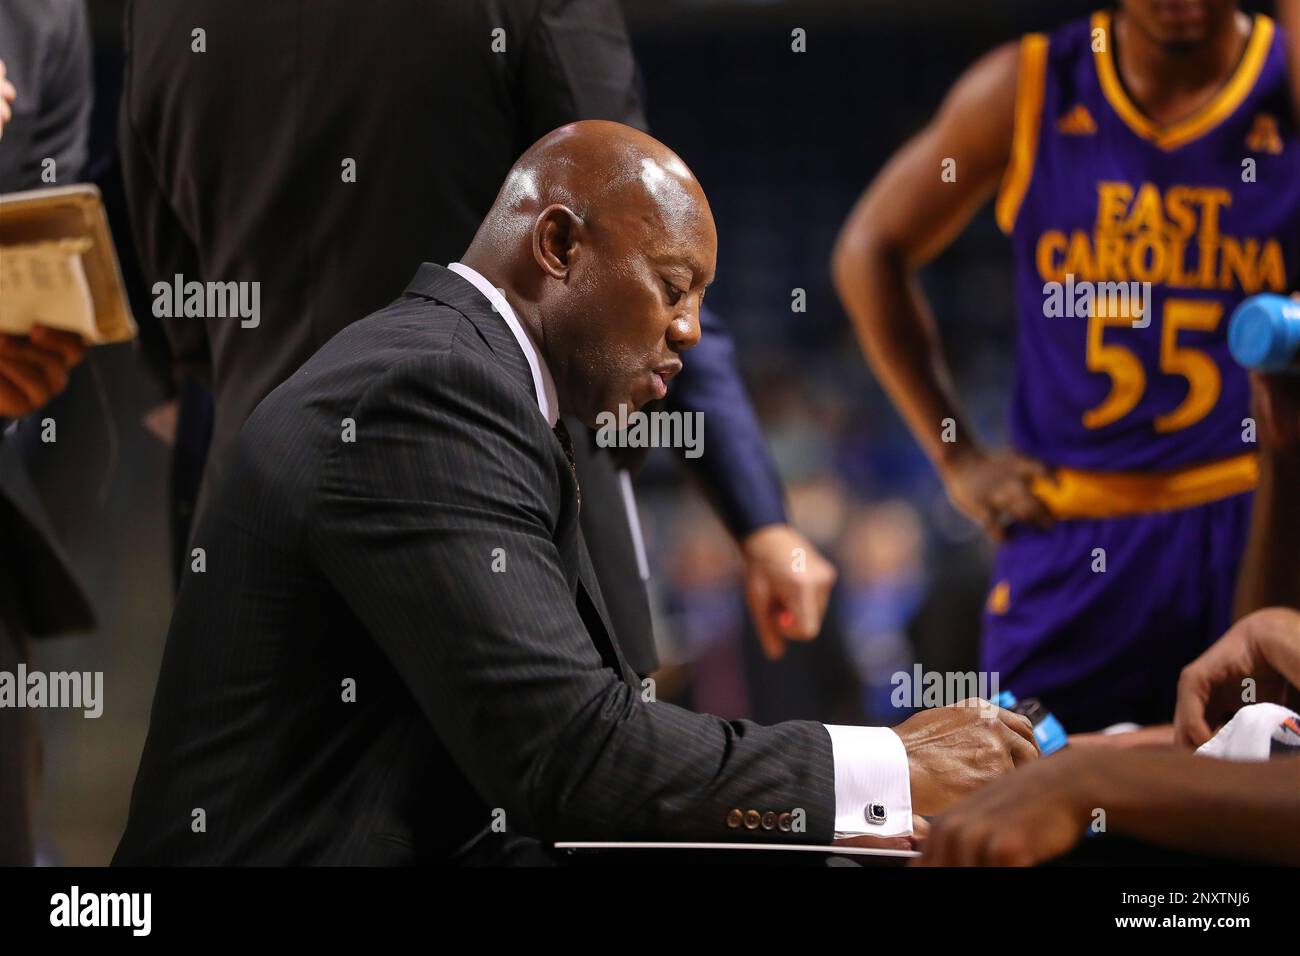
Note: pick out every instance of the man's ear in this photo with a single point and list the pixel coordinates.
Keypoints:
(555, 237)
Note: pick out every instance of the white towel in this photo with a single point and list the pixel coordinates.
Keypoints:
(1256, 732)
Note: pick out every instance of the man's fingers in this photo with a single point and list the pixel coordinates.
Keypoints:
(1027, 508)
(28, 379)
(22, 348)
(759, 598)
(68, 346)
(769, 637)
(1190, 726)
(39, 381)
(802, 618)
(13, 400)
(1018, 723)
(1023, 751)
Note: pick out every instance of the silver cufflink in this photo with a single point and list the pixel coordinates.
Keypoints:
(876, 813)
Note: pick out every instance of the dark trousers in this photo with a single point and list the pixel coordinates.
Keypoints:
(20, 753)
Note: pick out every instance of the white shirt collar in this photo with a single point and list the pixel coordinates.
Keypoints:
(543, 384)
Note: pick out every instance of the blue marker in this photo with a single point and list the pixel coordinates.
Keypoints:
(1264, 335)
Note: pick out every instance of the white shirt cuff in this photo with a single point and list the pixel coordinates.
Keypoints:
(873, 789)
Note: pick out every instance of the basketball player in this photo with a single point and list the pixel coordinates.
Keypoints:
(1146, 166)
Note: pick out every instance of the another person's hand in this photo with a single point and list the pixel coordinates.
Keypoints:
(787, 585)
(952, 751)
(1275, 401)
(34, 368)
(7, 95)
(996, 490)
(1263, 647)
(1034, 814)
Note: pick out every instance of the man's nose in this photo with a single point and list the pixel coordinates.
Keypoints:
(684, 331)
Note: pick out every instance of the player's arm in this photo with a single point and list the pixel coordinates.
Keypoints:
(1169, 797)
(907, 216)
(1270, 571)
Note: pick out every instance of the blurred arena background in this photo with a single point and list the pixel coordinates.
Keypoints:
(783, 145)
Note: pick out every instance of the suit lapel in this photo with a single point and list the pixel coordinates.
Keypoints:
(446, 287)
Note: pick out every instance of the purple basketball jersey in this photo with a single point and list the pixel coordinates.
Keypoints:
(1133, 243)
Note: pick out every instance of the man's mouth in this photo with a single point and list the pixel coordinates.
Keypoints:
(660, 376)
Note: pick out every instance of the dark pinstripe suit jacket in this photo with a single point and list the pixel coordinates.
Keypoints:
(436, 565)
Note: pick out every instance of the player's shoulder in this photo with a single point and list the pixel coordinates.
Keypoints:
(996, 72)
(980, 107)
(989, 86)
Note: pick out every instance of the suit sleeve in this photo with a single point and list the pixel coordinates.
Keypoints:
(735, 468)
(577, 64)
(437, 526)
(163, 245)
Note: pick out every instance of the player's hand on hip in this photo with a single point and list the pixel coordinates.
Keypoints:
(34, 368)
(1213, 687)
(1029, 816)
(787, 586)
(954, 750)
(995, 489)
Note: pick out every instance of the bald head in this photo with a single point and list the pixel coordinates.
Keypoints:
(591, 167)
(604, 243)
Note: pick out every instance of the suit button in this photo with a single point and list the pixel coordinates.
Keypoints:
(734, 818)
(784, 822)
(769, 820)
(752, 819)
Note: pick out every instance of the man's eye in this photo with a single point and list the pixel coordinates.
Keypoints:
(674, 294)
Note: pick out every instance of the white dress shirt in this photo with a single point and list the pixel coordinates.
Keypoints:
(871, 769)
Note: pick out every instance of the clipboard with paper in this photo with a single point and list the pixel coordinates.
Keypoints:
(58, 266)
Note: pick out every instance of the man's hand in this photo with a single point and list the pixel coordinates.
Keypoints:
(787, 585)
(34, 368)
(1264, 646)
(1028, 816)
(995, 490)
(7, 95)
(954, 750)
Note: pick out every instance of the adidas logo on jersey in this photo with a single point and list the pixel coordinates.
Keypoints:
(1263, 136)
(1077, 122)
